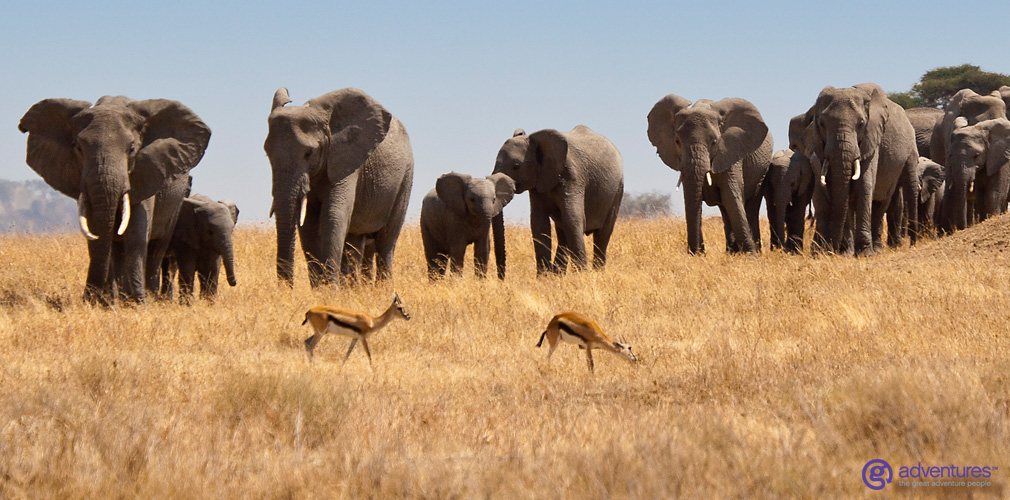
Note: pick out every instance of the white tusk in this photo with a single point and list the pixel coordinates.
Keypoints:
(82, 219)
(680, 179)
(824, 180)
(824, 173)
(271, 214)
(971, 187)
(126, 215)
(708, 177)
(855, 168)
(301, 216)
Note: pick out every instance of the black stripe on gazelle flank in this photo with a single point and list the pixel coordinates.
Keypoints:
(343, 324)
(567, 329)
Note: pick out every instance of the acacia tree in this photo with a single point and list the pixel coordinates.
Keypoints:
(935, 88)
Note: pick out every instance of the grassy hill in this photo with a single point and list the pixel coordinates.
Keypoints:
(776, 376)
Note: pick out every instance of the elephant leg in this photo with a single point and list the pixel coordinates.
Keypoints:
(573, 225)
(821, 204)
(308, 235)
(334, 222)
(734, 209)
(877, 209)
(895, 220)
(601, 237)
(481, 254)
(134, 256)
(385, 238)
(99, 286)
(561, 253)
(775, 238)
(169, 269)
(209, 271)
(156, 251)
(753, 208)
(353, 254)
(731, 244)
(187, 273)
(456, 254)
(795, 226)
(432, 254)
(540, 225)
(863, 212)
(368, 261)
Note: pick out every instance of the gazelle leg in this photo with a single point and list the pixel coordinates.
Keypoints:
(349, 349)
(364, 343)
(589, 358)
(310, 344)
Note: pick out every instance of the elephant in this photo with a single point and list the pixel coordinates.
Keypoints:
(867, 150)
(722, 150)
(973, 108)
(202, 241)
(977, 171)
(931, 191)
(342, 172)
(457, 213)
(788, 189)
(126, 162)
(575, 179)
(923, 121)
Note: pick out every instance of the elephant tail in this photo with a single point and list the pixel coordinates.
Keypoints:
(542, 335)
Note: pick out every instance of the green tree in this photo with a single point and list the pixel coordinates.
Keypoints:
(935, 88)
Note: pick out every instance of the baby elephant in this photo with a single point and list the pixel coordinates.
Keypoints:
(458, 212)
(202, 239)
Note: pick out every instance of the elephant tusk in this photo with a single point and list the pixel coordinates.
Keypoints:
(971, 187)
(126, 215)
(82, 219)
(271, 214)
(824, 180)
(824, 173)
(708, 177)
(680, 179)
(301, 215)
(855, 168)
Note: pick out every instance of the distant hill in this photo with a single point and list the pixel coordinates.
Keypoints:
(34, 207)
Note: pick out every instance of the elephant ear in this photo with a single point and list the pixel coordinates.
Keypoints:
(173, 142)
(450, 189)
(550, 148)
(999, 144)
(51, 143)
(504, 189)
(357, 125)
(877, 113)
(743, 131)
(804, 171)
(280, 98)
(232, 208)
(662, 133)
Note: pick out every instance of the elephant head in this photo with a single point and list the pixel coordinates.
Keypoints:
(848, 126)
(328, 137)
(931, 190)
(207, 226)
(982, 148)
(109, 157)
(700, 140)
(973, 108)
(481, 198)
(534, 161)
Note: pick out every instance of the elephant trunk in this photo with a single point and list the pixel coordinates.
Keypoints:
(229, 265)
(102, 191)
(695, 174)
(498, 228)
(959, 203)
(289, 212)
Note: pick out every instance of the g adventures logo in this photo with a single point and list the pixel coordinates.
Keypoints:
(878, 473)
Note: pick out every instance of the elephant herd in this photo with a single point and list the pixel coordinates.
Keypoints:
(343, 168)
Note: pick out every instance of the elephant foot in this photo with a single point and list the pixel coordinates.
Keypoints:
(867, 252)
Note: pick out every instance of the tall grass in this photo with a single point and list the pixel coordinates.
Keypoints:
(776, 376)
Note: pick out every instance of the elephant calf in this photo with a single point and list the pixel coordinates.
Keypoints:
(931, 188)
(202, 240)
(457, 213)
(788, 189)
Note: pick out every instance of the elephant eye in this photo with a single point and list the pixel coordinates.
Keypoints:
(133, 148)
(308, 154)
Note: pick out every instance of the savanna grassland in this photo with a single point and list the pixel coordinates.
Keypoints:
(776, 376)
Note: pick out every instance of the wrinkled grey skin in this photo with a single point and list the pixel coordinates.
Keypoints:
(861, 123)
(977, 172)
(458, 213)
(351, 161)
(202, 241)
(973, 108)
(576, 180)
(788, 189)
(923, 121)
(727, 140)
(931, 191)
(101, 153)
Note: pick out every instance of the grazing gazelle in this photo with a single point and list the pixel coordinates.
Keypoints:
(576, 328)
(358, 325)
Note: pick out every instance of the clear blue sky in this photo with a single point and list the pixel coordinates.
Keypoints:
(462, 76)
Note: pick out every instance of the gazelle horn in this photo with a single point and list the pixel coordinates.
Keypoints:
(126, 215)
(856, 172)
(301, 215)
(82, 219)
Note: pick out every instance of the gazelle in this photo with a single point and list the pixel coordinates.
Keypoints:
(358, 325)
(576, 328)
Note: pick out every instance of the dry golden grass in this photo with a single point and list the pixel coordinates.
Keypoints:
(776, 376)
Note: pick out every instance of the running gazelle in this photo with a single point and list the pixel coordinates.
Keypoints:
(576, 328)
(358, 325)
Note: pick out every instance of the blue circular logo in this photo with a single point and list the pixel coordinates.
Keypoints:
(876, 474)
